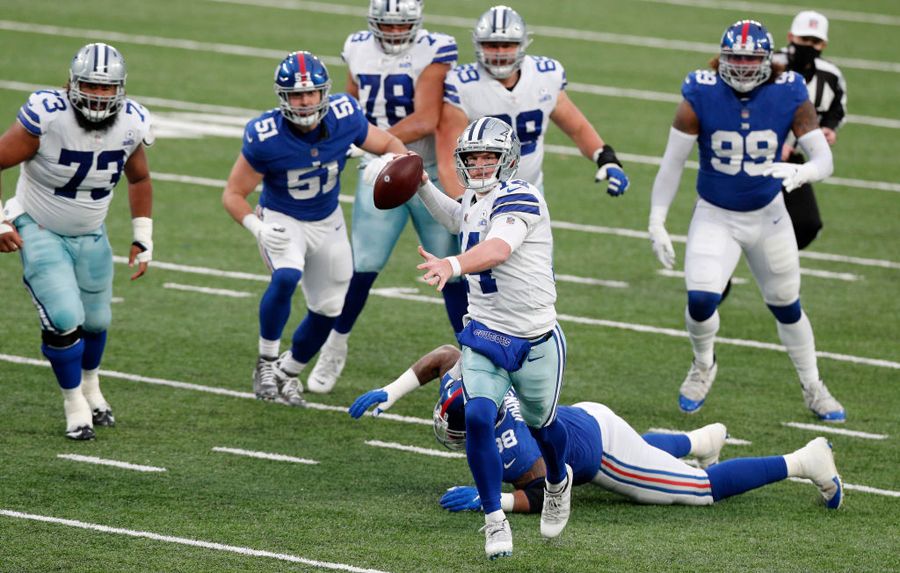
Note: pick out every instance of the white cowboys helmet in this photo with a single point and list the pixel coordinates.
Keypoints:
(395, 13)
(487, 134)
(97, 64)
(500, 24)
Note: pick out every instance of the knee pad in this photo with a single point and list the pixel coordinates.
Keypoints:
(97, 318)
(284, 281)
(787, 314)
(61, 340)
(702, 304)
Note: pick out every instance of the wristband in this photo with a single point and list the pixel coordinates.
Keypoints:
(606, 155)
(142, 227)
(406, 383)
(252, 223)
(455, 266)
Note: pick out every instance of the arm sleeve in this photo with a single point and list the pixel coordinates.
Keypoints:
(445, 210)
(668, 178)
(511, 230)
(818, 151)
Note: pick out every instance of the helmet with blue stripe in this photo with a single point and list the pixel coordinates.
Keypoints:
(449, 416)
(745, 55)
(302, 73)
(487, 134)
(97, 64)
(405, 14)
(500, 25)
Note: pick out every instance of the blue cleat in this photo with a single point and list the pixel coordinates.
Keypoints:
(817, 465)
(820, 401)
(696, 386)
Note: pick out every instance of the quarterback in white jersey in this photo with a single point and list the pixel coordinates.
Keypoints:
(511, 338)
(396, 70)
(74, 145)
(525, 92)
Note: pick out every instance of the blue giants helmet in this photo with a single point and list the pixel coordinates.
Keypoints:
(302, 72)
(449, 417)
(745, 56)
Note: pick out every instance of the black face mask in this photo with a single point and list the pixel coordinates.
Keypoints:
(802, 57)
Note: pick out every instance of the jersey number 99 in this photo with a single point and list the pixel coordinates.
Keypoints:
(729, 148)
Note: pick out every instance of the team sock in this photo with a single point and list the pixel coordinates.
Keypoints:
(94, 343)
(275, 305)
(481, 452)
(553, 441)
(66, 363)
(677, 445)
(736, 476)
(310, 336)
(354, 301)
(703, 336)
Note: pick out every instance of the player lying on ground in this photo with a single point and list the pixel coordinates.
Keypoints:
(604, 450)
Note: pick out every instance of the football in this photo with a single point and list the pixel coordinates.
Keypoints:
(398, 181)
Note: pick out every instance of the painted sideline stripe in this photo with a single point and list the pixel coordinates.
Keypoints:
(415, 449)
(835, 430)
(207, 290)
(855, 487)
(728, 440)
(785, 10)
(264, 455)
(585, 228)
(552, 32)
(113, 463)
(245, 551)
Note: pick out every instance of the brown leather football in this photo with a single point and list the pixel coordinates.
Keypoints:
(398, 181)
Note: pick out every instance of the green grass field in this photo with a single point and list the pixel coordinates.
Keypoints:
(179, 362)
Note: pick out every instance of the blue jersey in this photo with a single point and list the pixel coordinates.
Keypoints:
(301, 173)
(740, 136)
(519, 450)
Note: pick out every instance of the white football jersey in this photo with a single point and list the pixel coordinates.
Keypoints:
(518, 296)
(527, 107)
(68, 185)
(387, 82)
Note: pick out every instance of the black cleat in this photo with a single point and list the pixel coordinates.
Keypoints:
(103, 418)
(81, 433)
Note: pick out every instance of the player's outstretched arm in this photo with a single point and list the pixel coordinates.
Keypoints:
(572, 121)
(453, 122)
(383, 144)
(16, 146)
(433, 365)
(140, 198)
(242, 180)
(428, 100)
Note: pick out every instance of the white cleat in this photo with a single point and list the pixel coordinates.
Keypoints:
(817, 464)
(497, 539)
(557, 507)
(696, 386)
(332, 359)
(707, 442)
(79, 423)
(264, 385)
(820, 401)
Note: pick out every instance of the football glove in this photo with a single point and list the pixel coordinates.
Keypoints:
(461, 498)
(662, 245)
(370, 398)
(374, 167)
(792, 175)
(610, 170)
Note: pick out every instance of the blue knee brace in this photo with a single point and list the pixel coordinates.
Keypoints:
(702, 304)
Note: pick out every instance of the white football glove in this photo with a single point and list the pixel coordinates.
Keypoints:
(662, 245)
(272, 236)
(792, 175)
(374, 167)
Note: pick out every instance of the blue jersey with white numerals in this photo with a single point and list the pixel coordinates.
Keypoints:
(301, 173)
(519, 450)
(741, 135)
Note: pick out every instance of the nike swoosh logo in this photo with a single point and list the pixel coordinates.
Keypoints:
(775, 222)
(511, 462)
(533, 359)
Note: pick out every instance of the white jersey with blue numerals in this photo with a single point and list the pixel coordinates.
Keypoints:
(518, 296)
(301, 173)
(526, 107)
(387, 82)
(68, 185)
(741, 135)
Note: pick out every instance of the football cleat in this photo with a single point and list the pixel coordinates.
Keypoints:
(820, 401)
(497, 539)
(264, 385)
(291, 390)
(707, 442)
(817, 464)
(557, 507)
(696, 386)
(81, 433)
(332, 359)
(103, 417)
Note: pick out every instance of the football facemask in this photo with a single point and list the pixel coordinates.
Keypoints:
(405, 13)
(449, 416)
(745, 56)
(302, 72)
(500, 24)
(487, 134)
(98, 64)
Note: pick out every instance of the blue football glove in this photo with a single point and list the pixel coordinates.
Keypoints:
(461, 498)
(610, 170)
(617, 181)
(370, 398)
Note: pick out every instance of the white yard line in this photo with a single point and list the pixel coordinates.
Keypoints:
(415, 449)
(264, 455)
(729, 440)
(591, 281)
(113, 463)
(835, 430)
(206, 290)
(245, 551)
(680, 275)
(855, 487)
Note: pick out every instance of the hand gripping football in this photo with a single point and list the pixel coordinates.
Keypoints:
(398, 181)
